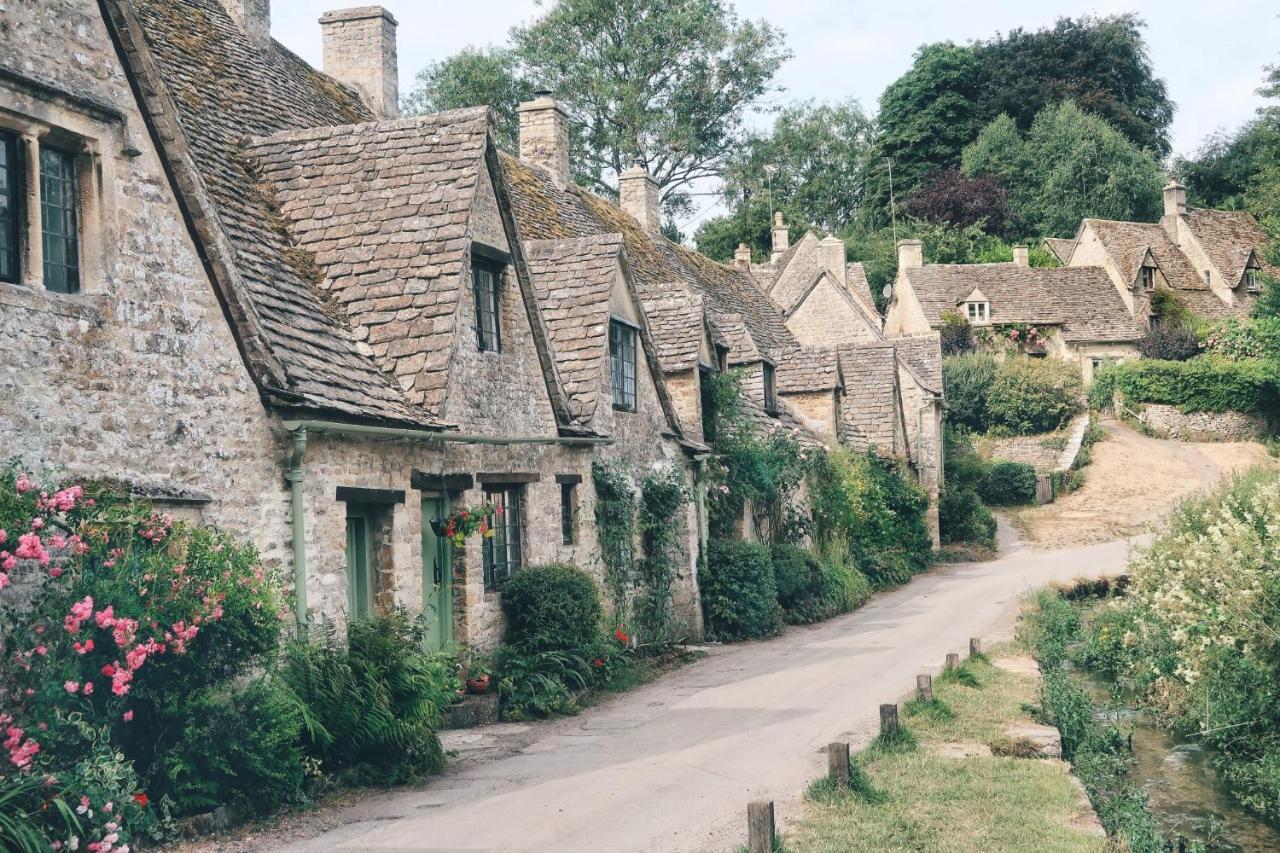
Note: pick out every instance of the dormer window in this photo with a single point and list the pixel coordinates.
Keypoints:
(622, 363)
(486, 283)
(1147, 278)
(1252, 283)
(978, 313)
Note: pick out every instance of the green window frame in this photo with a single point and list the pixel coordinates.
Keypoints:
(11, 196)
(622, 362)
(501, 553)
(59, 227)
(359, 579)
(486, 284)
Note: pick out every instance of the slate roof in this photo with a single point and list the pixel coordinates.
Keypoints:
(208, 88)
(802, 370)
(856, 277)
(868, 412)
(574, 280)
(923, 356)
(1229, 238)
(1060, 247)
(1128, 243)
(383, 209)
(677, 325)
(1080, 299)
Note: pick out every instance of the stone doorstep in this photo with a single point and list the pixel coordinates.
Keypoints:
(471, 711)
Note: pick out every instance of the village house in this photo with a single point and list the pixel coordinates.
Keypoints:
(252, 292)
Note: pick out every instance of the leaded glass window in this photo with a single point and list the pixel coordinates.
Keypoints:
(622, 360)
(58, 203)
(10, 205)
(501, 552)
(486, 280)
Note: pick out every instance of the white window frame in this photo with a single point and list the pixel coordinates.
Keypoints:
(978, 313)
(1147, 278)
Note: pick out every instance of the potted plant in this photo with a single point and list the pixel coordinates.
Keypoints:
(462, 522)
(479, 676)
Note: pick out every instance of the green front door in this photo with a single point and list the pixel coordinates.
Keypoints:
(359, 589)
(437, 574)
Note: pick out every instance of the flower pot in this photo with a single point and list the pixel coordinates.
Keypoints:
(478, 685)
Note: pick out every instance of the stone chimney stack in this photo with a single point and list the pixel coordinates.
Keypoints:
(254, 17)
(360, 50)
(833, 258)
(781, 240)
(910, 254)
(544, 136)
(1021, 255)
(638, 195)
(742, 257)
(1175, 198)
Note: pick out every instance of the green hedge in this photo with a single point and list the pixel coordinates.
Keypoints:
(1008, 484)
(739, 594)
(963, 518)
(555, 607)
(810, 590)
(1019, 396)
(1205, 384)
(968, 379)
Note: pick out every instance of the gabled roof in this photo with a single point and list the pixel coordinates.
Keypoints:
(383, 209)
(204, 88)
(1127, 243)
(678, 325)
(922, 354)
(1080, 299)
(574, 280)
(742, 347)
(804, 370)
(1230, 238)
(856, 277)
(869, 410)
(1060, 247)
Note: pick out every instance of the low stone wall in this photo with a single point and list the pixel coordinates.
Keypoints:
(1169, 422)
(1038, 451)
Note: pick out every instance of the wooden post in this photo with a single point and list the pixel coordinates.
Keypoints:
(975, 646)
(888, 720)
(760, 832)
(838, 763)
(953, 661)
(924, 687)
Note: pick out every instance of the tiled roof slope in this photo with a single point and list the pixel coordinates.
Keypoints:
(676, 323)
(808, 370)
(226, 89)
(545, 211)
(1061, 247)
(1229, 237)
(1128, 242)
(574, 280)
(1080, 299)
(856, 275)
(923, 356)
(868, 410)
(383, 209)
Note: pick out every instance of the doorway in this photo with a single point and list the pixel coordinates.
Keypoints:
(437, 574)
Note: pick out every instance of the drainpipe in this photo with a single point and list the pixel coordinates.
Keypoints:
(295, 478)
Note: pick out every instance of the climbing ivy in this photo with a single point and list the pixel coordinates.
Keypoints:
(663, 497)
(615, 533)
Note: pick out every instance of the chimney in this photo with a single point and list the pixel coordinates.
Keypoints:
(638, 195)
(544, 136)
(742, 257)
(833, 258)
(252, 16)
(910, 254)
(781, 242)
(1021, 255)
(1175, 198)
(360, 50)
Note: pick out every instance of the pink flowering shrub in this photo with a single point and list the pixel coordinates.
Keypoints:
(114, 617)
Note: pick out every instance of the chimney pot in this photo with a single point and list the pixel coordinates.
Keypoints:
(1022, 255)
(910, 254)
(1175, 198)
(742, 256)
(544, 136)
(781, 239)
(833, 258)
(252, 16)
(638, 195)
(360, 50)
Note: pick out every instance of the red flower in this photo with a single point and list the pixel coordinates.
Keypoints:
(141, 799)
(599, 662)
(108, 670)
(621, 636)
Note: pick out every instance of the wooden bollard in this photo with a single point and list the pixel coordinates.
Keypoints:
(838, 763)
(760, 832)
(975, 646)
(924, 687)
(888, 720)
(953, 661)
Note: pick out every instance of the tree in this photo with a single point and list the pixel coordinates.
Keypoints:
(664, 84)
(948, 196)
(1070, 165)
(933, 111)
(474, 77)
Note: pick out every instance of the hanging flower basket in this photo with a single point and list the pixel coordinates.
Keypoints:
(462, 522)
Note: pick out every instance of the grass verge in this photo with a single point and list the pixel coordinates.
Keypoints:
(926, 800)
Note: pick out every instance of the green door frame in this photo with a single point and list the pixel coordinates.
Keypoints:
(437, 573)
(359, 588)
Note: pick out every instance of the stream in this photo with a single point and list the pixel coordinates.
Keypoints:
(1184, 792)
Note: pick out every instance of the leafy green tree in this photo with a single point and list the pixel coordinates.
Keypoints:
(485, 76)
(666, 84)
(1069, 165)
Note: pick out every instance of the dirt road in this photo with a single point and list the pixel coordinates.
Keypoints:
(1132, 482)
(671, 766)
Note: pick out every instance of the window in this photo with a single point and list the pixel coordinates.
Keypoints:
(976, 311)
(770, 390)
(1251, 281)
(1206, 278)
(359, 580)
(10, 201)
(708, 401)
(486, 281)
(501, 552)
(1147, 277)
(568, 513)
(58, 202)
(622, 360)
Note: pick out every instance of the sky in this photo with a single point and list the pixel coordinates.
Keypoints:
(1211, 55)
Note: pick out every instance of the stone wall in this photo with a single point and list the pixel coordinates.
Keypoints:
(1169, 422)
(1040, 451)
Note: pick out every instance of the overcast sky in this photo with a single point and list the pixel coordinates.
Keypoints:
(1211, 55)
